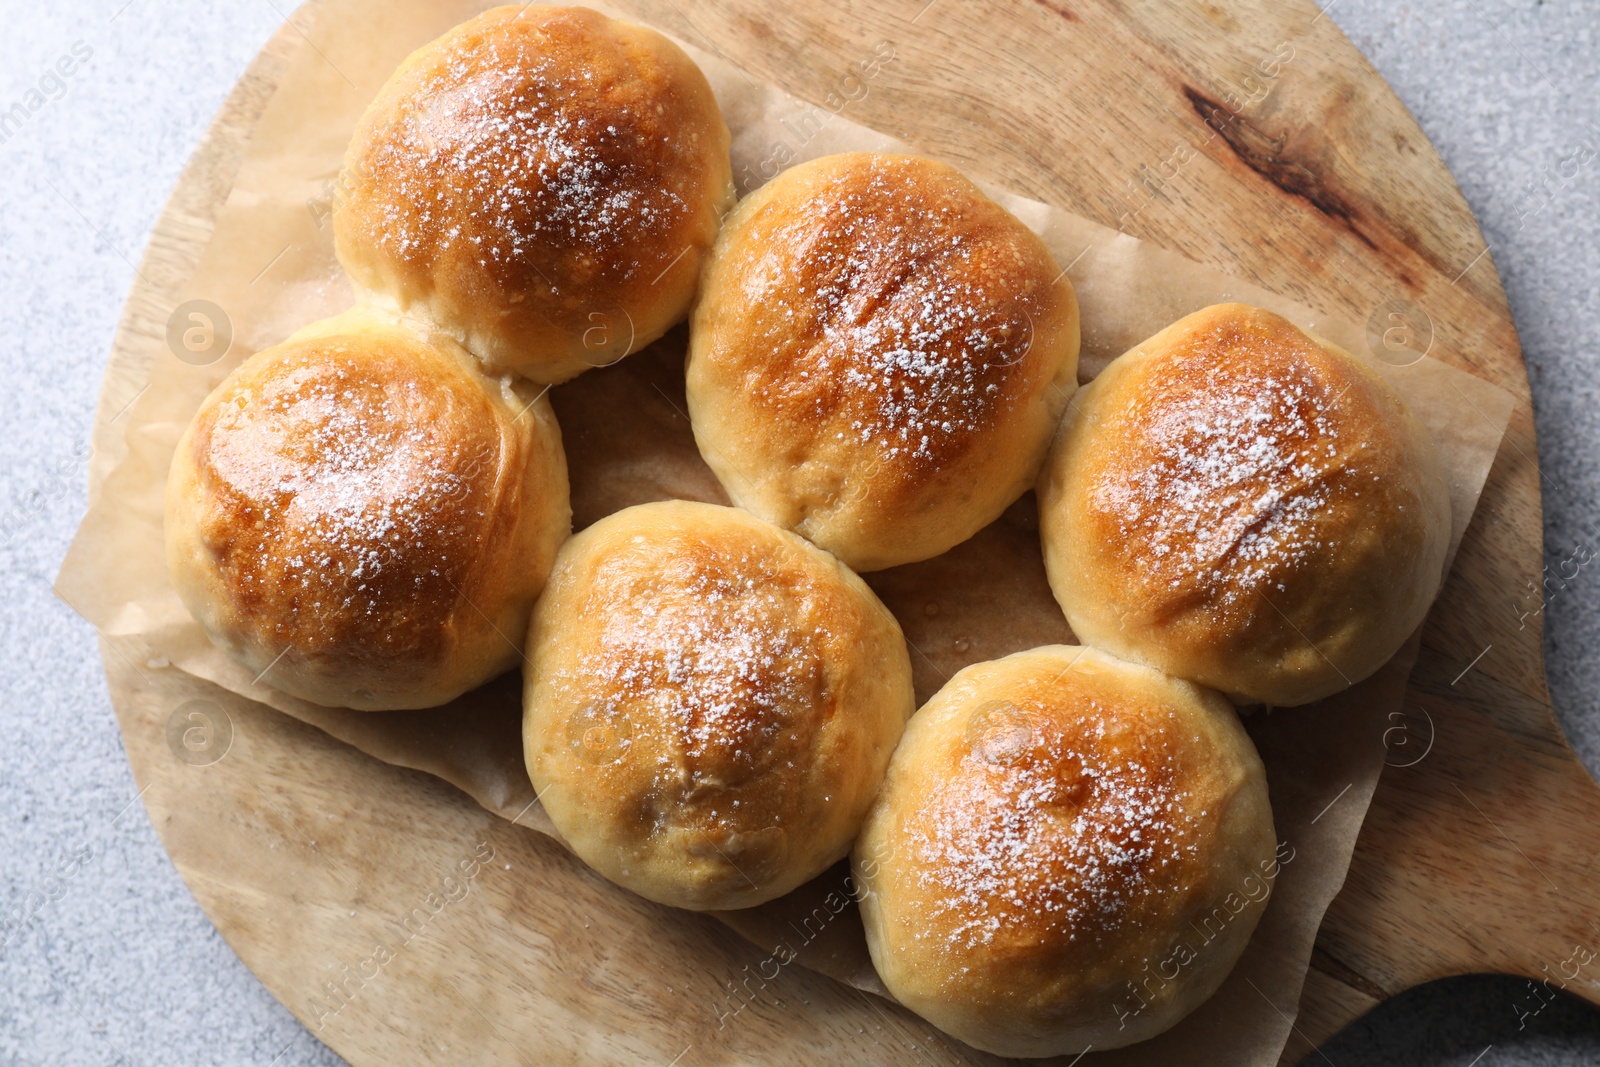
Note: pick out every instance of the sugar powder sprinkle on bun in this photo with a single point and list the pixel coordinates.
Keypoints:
(710, 703)
(364, 518)
(1068, 851)
(879, 356)
(1240, 503)
(543, 182)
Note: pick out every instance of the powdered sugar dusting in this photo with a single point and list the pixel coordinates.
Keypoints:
(708, 660)
(908, 319)
(509, 153)
(343, 495)
(1066, 841)
(1233, 477)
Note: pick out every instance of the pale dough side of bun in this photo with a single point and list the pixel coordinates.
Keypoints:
(365, 518)
(1238, 502)
(879, 356)
(1069, 850)
(710, 703)
(543, 182)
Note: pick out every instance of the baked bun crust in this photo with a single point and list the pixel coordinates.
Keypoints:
(1240, 503)
(544, 182)
(364, 517)
(879, 356)
(710, 703)
(1068, 850)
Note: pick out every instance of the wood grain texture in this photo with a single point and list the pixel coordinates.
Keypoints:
(1248, 135)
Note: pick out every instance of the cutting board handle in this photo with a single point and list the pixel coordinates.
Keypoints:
(1483, 858)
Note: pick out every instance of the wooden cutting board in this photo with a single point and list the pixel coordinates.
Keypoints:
(1249, 135)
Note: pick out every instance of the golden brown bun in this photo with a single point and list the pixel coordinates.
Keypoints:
(710, 703)
(1240, 503)
(364, 517)
(1068, 850)
(879, 356)
(544, 182)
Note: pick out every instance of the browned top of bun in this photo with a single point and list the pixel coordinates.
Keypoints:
(1068, 810)
(726, 659)
(1053, 826)
(1252, 501)
(349, 484)
(706, 641)
(1231, 459)
(533, 167)
(890, 300)
(710, 703)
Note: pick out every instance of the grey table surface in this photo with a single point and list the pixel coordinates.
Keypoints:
(123, 967)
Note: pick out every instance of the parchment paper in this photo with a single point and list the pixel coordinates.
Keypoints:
(270, 266)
